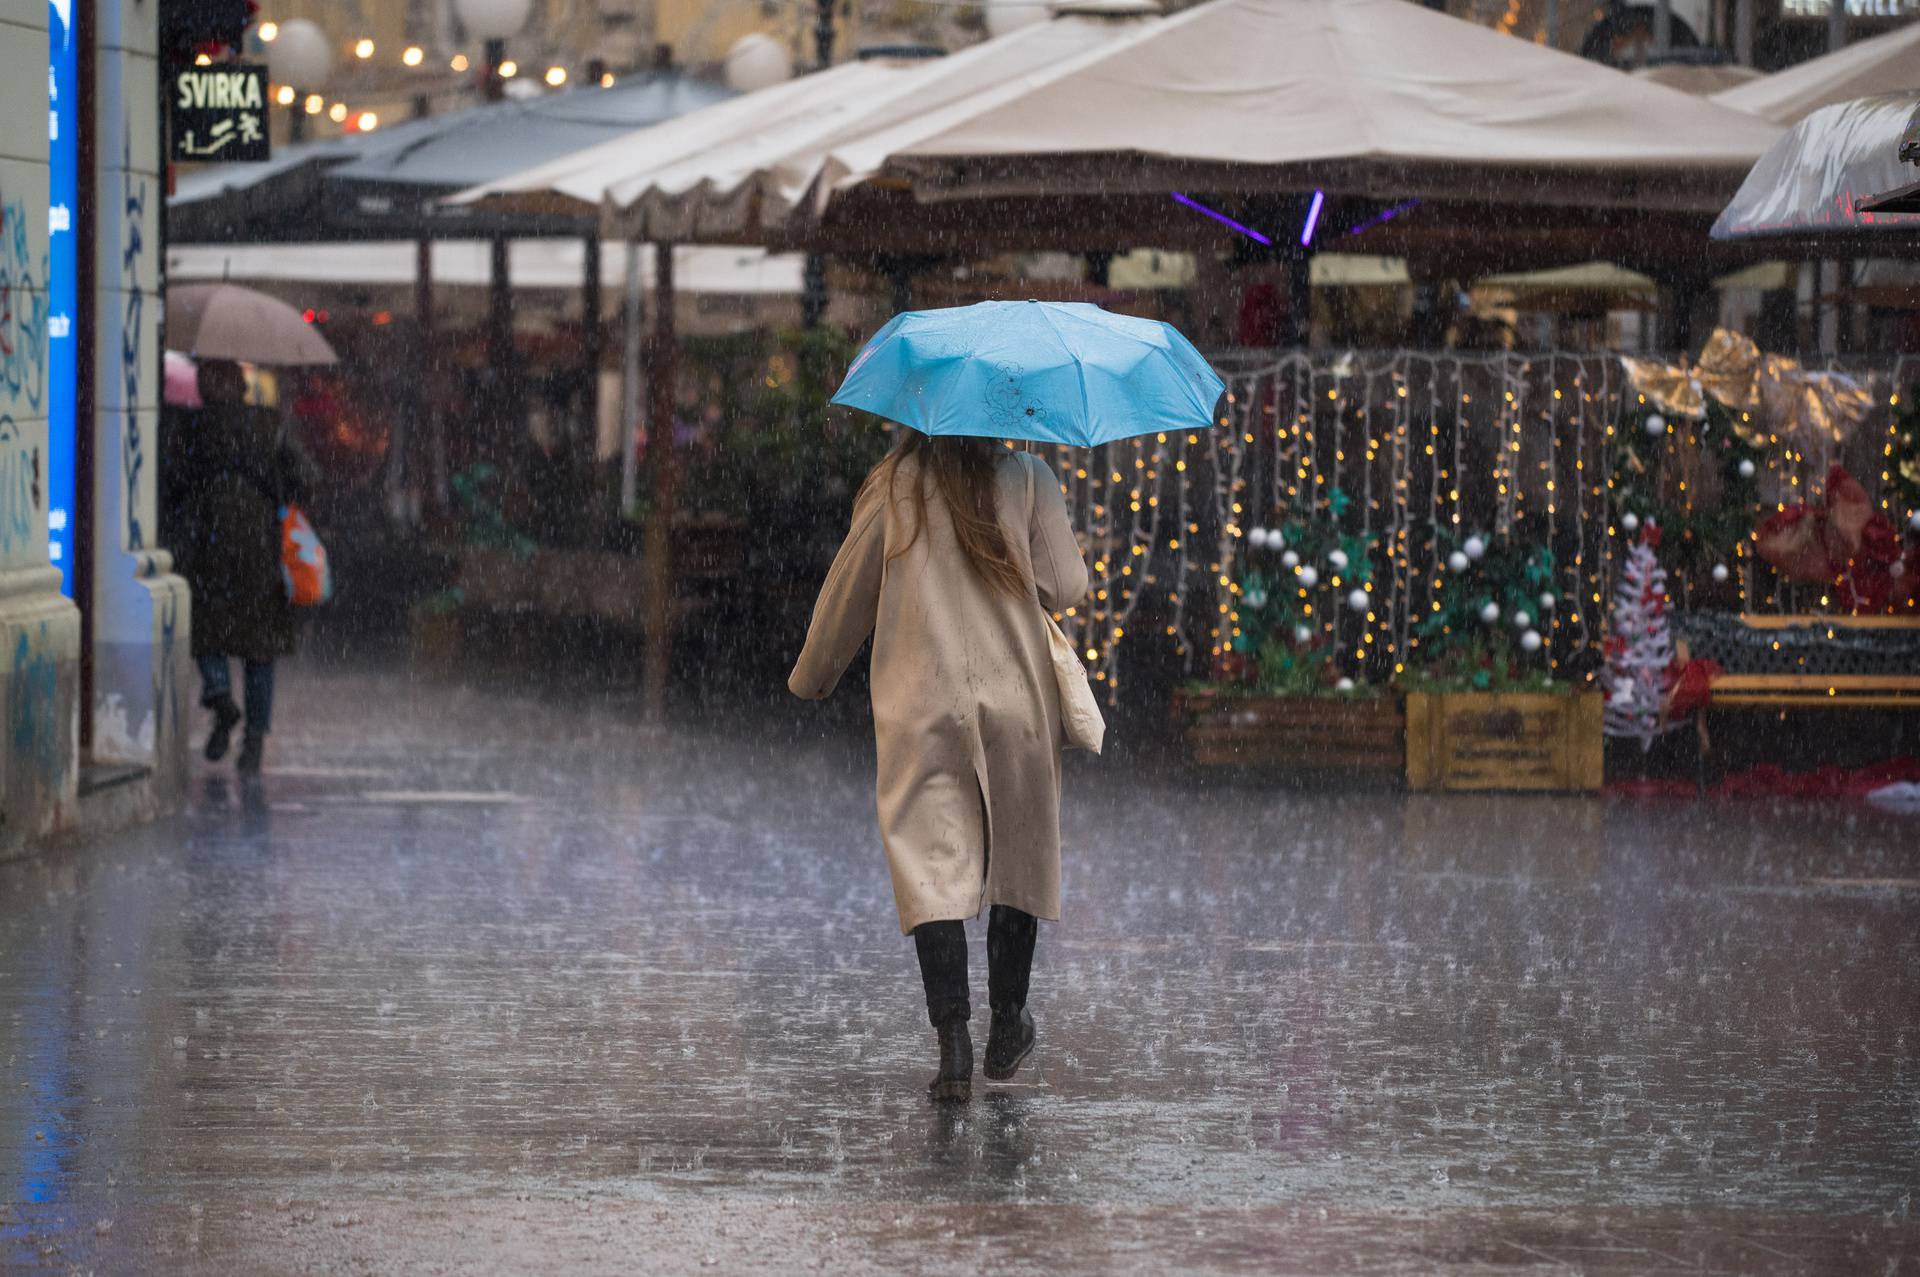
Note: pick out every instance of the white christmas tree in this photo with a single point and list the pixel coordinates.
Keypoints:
(1639, 648)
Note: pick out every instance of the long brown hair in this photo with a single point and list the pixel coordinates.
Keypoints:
(962, 471)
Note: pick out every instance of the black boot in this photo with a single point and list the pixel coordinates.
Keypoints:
(253, 751)
(226, 716)
(1009, 1041)
(955, 1079)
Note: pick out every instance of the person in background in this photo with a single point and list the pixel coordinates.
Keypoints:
(229, 471)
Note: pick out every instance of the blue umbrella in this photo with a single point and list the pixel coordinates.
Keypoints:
(1055, 372)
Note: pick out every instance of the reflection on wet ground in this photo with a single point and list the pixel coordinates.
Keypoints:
(486, 983)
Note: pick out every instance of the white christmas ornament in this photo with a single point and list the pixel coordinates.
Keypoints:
(1309, 578)
(1746, 468)
(1630, 521)
(1896, 569)
(1359, 601)
(1656, 424)
(1548, 601)
(1338, 558)
(1521, 621)
(1290, 560)
(1530, 641)
(1914, 522)
(1720, 572)
(1474, 547)
(1344, 685)
(1256, 597)
(1302, 634)
(1457, 562)
(1490, 613)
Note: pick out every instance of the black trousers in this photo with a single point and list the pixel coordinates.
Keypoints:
(942, 947)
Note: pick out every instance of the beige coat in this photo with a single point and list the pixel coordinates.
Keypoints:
(965, 709)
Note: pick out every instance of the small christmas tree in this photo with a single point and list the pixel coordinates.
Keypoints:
(1639, 648)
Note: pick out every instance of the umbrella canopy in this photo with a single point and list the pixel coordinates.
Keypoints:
(391, 182)
(226, 321)
(550, 263)
(1702, 79)
(1812, 183)
(1887, 63)
(1373, 97)
(1051, 372)
(736, 170)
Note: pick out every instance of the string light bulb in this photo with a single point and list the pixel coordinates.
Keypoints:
(556, 76)
(413, 56)
(363, 49)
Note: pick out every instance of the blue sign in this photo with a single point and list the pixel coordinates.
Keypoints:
(63, 134)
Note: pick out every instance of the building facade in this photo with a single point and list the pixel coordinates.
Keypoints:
(94, 624)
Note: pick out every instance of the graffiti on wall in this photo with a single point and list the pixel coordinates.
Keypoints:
(33, 712)
(23, 314)
(132, 446)
(23, 373)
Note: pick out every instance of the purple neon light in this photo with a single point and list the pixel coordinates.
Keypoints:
(1221, 217)
(1386, 216)
(1313, 218)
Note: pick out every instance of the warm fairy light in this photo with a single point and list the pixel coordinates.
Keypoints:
(337, 112)
(556, 76)
(202, 60)
(413, 56)
(367, 122)
(363, 50)
(459, 62)
(285, 95)
(606, 80)
(509, 69)
(269, 32)
(315, 103)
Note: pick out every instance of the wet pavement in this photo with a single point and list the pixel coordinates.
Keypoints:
(490, 982)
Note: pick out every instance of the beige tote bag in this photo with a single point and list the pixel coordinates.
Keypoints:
(1080, 720)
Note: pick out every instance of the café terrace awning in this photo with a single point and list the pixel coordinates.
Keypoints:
(1887, 63)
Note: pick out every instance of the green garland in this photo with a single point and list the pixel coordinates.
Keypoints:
(1270, 611)
(1709, 533)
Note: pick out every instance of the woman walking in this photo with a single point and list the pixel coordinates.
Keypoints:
(956, 547)
(230, 471)
(959, 549)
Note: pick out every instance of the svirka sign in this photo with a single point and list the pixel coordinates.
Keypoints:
(220, 113)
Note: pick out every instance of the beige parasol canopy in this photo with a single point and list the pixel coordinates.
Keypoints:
(726, 172)
(1370, 97)
(226, 321)
(1887, 63)
(1699, 79)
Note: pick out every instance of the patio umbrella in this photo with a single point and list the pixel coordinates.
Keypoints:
(1813, 184)
(1887, 63)
(1049, 372)
(226, 321)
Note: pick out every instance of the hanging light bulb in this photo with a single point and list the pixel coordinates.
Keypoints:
(459, 62)
(284, 95)
(413, 56)
(337, 112)
(269, 32)
(556, 76)
(363, 49)
(509, 69)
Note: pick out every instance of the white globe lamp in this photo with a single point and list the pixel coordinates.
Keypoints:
(492, 19)
(757, 61)
(300, 55)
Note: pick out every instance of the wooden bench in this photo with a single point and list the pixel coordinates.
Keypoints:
(1813, 690)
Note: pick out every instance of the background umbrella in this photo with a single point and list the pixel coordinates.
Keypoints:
(226, 321)
(181, 385)
(1053, 372)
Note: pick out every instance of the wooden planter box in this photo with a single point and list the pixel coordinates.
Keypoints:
(1504, 740)
(1362, 738)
